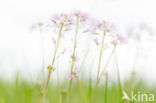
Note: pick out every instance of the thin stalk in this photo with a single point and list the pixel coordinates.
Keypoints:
(107, 64)
(106, 89)
(119, 81)
(53, 61)
(42, 50)
(90, 87)
(99, 64)
(73, 55)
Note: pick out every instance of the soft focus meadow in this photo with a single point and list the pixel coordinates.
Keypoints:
(77, 57)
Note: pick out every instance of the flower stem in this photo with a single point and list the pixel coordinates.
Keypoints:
(42, 51)
(53, 61)
(99, 64)
(107, 64)
(119, 81)
(73, 55)
(106, 88)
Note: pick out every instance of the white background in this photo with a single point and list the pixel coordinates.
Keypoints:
(20, 49)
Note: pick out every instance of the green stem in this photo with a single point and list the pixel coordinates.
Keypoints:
(107, 64)
(119, 81)
(53, 61)
(99, 64)
(75, 42)
(106, 90)
(73, 55)
(42, 50)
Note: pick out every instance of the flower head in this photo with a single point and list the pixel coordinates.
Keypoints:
(121, 38)
(72, 75)
(64, 20)
(102, 26)
(38, 25)
(82, 16)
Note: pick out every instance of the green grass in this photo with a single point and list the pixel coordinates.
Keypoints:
(22, 91)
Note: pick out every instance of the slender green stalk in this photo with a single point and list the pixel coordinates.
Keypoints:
(90, 87)
(99, 64)
(106, 89)
(73, 55)
(107, 64)
(42, 50)
(119, 81)
(53, 61)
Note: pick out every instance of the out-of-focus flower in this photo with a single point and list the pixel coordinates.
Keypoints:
(140, 32)
(72, 75)
(65, 20)
(75, 58)
(144, 26)
(103, 26)
(121, 38)
(82, 16)
(35, 26)
(83, 20)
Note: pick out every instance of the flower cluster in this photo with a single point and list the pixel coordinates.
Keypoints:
(83, 19)
(72, 75)
(139, 32)
(62, 20)
(105, 32)
(38, 25)
(103, 26)
(113, 37)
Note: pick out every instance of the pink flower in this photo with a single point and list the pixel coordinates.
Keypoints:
(34, 26)
(72, 75)
(144, 26)
(63, 19)
(102, 26)
(121, 38)
(83, 17)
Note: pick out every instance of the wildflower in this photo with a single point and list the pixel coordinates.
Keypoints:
(72, 75)
(103, 26)
(144, 26)
(65, 20)
(82, 16)
(38, 25)
(121, 38)
(83, 19)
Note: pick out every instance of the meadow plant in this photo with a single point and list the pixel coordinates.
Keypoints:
(80, 20)
(106, 36)
(62, 23)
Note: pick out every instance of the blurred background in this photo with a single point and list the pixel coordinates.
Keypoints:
(20, 48)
